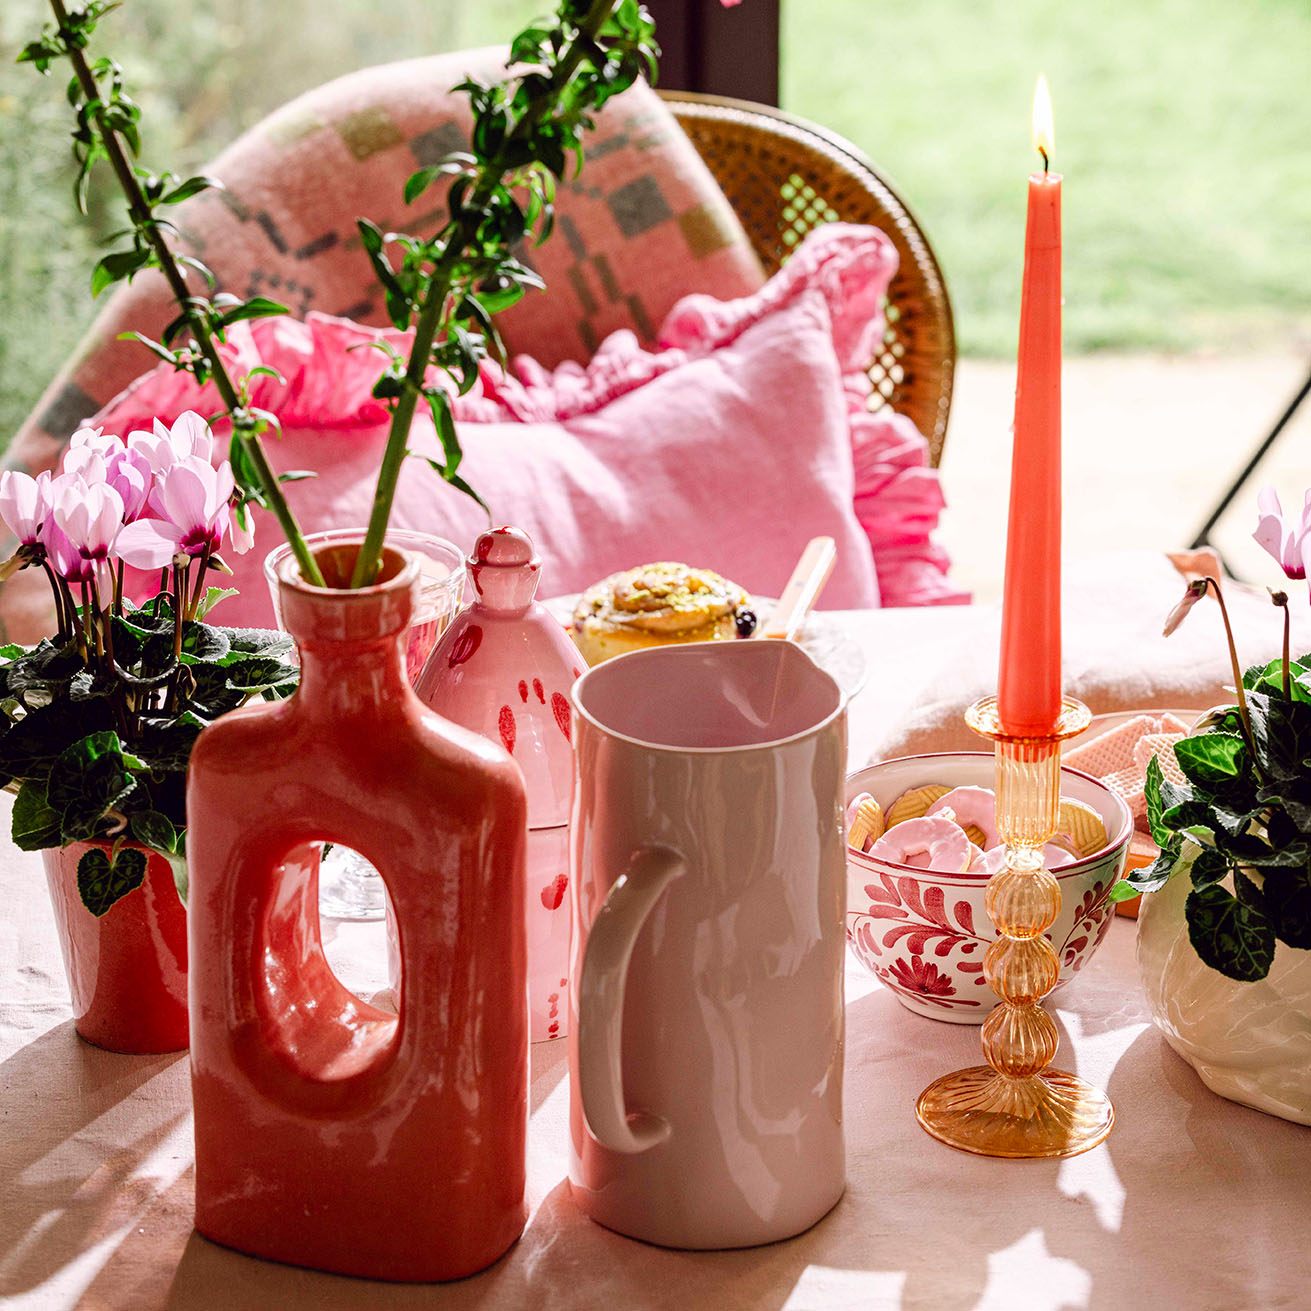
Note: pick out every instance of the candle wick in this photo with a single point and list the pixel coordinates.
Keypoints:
(1045, 162)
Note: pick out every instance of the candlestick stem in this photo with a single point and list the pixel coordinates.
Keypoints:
(1016, 1106)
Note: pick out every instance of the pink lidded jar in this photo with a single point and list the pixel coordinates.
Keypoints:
(504, 669)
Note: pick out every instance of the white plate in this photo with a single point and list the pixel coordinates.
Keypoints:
(823, 639)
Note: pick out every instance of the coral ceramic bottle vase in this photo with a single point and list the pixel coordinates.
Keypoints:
(328, 1133)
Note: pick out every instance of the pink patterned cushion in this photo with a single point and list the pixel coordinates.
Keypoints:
(644, 224)
(729, 448)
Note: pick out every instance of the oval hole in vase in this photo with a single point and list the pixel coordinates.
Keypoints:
(361, 952)
(326, 1026)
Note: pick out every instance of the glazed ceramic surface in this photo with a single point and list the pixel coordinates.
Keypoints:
(1249, 1042)
(127, 969)
(706, 995)
(923, 934)
(329, 1133)
(504, 669)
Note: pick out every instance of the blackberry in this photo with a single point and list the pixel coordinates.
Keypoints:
(746, 622)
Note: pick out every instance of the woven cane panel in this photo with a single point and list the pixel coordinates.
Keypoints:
(784, 177)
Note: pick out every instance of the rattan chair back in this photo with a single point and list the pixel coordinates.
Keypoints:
(784, 176)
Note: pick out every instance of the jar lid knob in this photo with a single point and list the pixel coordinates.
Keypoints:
(504, 569)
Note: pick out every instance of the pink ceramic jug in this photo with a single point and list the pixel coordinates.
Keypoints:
(504, 668)
(330, 1133)
(709, 877)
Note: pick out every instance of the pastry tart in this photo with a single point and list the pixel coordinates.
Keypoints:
(656, 605)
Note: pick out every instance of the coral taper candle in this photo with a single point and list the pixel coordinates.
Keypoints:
(1029, 680)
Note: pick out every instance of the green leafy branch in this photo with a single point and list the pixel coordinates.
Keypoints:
(107, 129)
(449, 287)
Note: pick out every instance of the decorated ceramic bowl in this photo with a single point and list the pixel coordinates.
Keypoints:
(924, 934)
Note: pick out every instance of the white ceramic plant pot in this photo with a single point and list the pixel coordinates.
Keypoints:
(1249, 1042)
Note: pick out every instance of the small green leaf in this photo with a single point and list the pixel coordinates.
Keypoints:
(100, 885)
(155, 347)
(117, 265)
(257, 307)
(191, 187)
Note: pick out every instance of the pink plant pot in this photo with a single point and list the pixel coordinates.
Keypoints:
(923, 934)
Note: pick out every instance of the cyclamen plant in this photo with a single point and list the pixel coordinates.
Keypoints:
(1240, 823)
(98, 722)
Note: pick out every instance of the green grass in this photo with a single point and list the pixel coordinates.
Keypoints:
(1183, 128)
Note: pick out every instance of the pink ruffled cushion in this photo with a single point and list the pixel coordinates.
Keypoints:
(729, 448)
(897, 494)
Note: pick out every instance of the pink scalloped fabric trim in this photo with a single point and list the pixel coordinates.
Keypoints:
(329, 366)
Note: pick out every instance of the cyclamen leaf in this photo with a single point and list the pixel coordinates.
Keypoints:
(249, 643)
(1208, 866)
(1288, 903)
(1151, 878)
(203, 642)
(101, 884)
(1152, 790)
(152, 829)
(213, 595)
(1235, 939)
(35, 823)
(1210, 758)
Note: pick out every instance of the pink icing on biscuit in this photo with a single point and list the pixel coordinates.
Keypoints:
(977, 806)
(928, 843)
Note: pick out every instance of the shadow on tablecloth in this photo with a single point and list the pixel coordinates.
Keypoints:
(79, 1121)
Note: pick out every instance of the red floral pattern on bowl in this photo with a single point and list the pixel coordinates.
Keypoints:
(923, 933)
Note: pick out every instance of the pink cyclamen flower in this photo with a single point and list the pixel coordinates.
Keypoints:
(24, 504)
(1287, 541)
(1196, 590)
(89, 464)
(83, 523)
(164, 447)
(103, 443)
(130, 475)
(192, 498)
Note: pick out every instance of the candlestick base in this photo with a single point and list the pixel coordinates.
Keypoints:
(1042, 1115)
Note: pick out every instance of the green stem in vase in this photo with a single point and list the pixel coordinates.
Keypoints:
(521, 132)
(153, 250)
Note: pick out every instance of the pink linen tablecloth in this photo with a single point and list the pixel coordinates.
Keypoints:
(1192, 1203)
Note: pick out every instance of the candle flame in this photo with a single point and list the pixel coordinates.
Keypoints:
(1044, 128)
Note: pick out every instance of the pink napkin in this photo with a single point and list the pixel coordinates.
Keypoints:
(1120, 758)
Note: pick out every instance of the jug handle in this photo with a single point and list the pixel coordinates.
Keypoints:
(601, 1002)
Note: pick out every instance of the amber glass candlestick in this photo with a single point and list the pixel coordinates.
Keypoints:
(1015, 1105)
